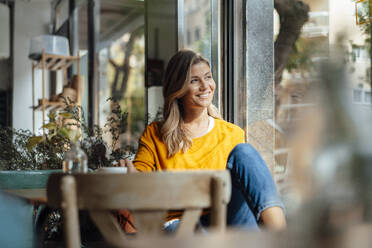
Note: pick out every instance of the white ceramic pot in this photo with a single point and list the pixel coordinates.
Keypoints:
(52, 44)
(112, 170)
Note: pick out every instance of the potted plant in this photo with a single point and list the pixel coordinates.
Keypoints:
(23, 155)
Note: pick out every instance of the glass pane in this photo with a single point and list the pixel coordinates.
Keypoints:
(83, 53)
(357, 96)
(122, 67)
(254, 89)
(367, 97)
(330, 31)
(197, 26)
(202, 34)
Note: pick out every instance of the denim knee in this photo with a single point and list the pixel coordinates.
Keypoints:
(250, 174)
(245, 149)
(244, 158)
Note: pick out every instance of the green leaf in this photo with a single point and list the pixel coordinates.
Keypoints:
(64, 132)
(33, 141)
(52, 116)
(72, 134)
(50, 126)
(52, 135)
(66, 115)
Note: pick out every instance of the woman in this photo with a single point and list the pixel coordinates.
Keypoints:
(193, 136)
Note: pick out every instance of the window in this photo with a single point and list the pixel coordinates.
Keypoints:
(197, 22)
(359, 52)
(317, 26)
(122, 66)
(202, 20)
(197, 34)
(357, 96)
(367, 97)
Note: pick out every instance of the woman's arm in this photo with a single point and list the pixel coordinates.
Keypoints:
(145, 158)
(127, 163)
(273, 218)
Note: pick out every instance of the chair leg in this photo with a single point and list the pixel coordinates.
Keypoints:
(219, 205)
(70, 211)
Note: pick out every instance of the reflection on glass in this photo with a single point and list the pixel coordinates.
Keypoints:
(367, 97)
(83, 53)
(330, 30)
(122, 66)
(122, 78)
(357, 96)
(197, 26)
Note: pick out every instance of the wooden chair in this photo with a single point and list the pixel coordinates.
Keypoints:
(148, 196)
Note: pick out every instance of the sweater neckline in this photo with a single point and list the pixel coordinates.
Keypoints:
(210, 129)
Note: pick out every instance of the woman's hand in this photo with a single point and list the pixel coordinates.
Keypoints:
(127, 163)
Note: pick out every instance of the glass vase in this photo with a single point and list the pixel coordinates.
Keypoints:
(75, 160)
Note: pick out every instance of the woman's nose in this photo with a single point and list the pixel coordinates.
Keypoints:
(204, 84)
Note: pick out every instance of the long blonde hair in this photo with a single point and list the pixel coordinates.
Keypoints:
(175, 82)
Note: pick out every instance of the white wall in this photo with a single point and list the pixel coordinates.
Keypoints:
(31, 19)
(155, 100)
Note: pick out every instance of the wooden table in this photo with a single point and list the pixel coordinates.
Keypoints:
(38, 196)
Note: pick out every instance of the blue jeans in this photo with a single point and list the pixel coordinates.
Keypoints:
(253, 190)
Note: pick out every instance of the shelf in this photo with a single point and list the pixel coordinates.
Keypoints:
(50, 105)
(52, 62)
(56, 62)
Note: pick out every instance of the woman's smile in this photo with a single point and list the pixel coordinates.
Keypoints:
(204, 95)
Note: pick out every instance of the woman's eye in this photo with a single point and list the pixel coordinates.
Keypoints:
(208, 77)
(194, 80)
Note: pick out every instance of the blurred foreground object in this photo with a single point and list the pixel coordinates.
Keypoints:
(189, 191)
(16, 223)
(332, 161)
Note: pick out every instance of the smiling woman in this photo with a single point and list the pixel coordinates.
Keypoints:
(201, 88)
(188, 89)
(194, 137)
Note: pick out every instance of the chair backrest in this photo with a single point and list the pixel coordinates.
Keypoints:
(148, 196)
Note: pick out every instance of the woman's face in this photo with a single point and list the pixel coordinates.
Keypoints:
(201, 87)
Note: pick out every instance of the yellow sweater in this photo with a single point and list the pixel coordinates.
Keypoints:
(209, 152)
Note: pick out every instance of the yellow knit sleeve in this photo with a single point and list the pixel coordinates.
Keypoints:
(243, 138)
(145, 156)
